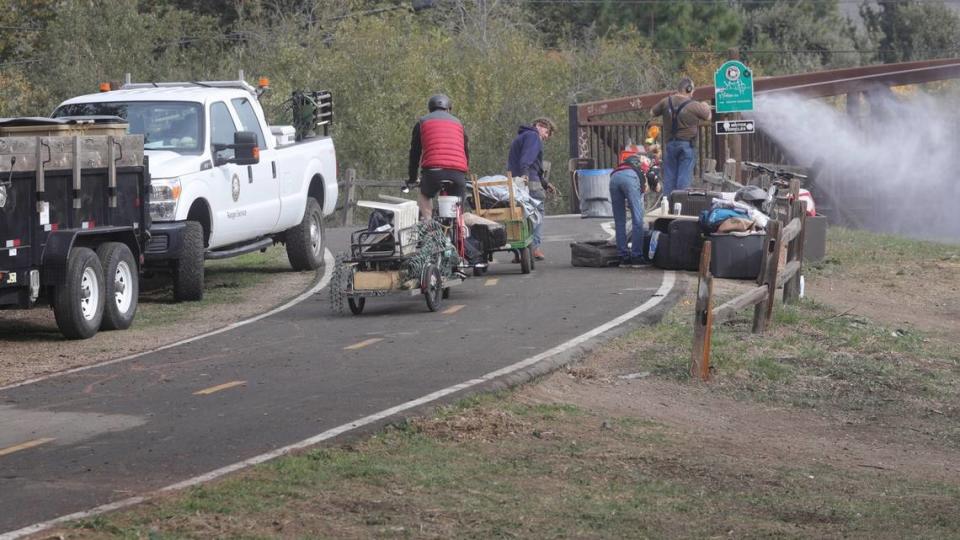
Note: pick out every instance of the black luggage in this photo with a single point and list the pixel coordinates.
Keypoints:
(692, 201)
(490, 238)
(736, 256)
(594, 253)
(678, 244)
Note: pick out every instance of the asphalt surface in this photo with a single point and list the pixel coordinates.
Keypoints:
(76, 441)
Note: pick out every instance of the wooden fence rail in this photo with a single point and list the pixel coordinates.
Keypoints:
(782, 242)
(350, 183)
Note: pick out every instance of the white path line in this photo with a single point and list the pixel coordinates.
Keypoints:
(669, 279)
(328, 263)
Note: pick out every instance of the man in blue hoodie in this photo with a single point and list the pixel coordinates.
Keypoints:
(526, 159)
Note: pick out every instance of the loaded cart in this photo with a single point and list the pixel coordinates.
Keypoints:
(519, 227)
(395, 254)
(74, 195)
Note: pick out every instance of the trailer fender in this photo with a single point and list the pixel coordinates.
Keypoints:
(59, 243)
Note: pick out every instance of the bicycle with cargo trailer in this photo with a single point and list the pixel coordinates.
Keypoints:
(397, 254)
(518, 227)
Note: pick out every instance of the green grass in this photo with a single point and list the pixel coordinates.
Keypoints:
(226, 282)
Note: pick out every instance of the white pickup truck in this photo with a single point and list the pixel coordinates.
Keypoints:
(223, 181)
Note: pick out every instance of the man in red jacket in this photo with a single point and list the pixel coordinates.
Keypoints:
(438, 151)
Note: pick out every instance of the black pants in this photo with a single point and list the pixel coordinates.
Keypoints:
(430, 180)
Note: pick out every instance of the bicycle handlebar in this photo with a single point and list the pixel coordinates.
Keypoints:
(779, 173)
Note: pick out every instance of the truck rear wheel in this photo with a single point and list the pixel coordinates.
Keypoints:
(78, 301)
(121, 283)
(188, 269)
(305, 242)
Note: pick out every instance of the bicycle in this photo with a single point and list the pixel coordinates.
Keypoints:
(775, 182)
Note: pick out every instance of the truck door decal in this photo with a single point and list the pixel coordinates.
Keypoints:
(235, 184)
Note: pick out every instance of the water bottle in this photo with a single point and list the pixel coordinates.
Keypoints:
(652, 250)
(664, 206)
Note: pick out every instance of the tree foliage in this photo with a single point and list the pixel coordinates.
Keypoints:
(911, 30)
(797, 37)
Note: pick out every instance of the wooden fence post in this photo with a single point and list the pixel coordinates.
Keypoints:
(703, 318)
(791, 289)
(763, 311)
(348, 204)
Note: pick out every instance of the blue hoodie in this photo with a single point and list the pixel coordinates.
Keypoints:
(526, 155)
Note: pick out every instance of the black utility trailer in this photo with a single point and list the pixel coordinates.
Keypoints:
(74, 216)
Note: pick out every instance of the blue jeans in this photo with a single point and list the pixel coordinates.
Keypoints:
(625, 189)
(678, 163)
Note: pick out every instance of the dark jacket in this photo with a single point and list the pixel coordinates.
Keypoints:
(438, 142)
(526, 156)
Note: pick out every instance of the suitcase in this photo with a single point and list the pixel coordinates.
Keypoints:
(736, 256)
(491, 238)
(678, 244)
(594, 254)
(692, 201)
(815, 238)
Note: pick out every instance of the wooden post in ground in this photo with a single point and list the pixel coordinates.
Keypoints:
(771, 264)
(703, 319)
(348, 204)
(791, 289)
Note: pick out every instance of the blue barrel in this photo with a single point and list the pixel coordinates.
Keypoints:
(593, 188)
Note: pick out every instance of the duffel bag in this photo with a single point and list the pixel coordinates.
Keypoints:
(594, 254)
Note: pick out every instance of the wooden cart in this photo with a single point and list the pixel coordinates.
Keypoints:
(519, 228)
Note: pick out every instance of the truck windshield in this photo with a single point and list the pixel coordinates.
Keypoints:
(165, 125)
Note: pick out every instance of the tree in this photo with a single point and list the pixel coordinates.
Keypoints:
(911, 30)
(797, 37)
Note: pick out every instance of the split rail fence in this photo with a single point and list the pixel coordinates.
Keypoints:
(781, 266)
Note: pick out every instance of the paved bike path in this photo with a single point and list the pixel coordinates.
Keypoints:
(115, 431)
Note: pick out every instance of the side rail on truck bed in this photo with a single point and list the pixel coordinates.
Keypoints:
(73, 224)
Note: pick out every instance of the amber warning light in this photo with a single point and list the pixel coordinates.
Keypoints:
(264, 82)
(105, 87)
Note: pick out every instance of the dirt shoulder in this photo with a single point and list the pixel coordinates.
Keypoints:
(235, 290)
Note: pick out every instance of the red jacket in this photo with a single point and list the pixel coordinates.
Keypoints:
(438, 142)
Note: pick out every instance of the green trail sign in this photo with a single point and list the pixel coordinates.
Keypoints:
(733, 84)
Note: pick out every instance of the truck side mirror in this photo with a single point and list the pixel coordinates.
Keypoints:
(245, 149)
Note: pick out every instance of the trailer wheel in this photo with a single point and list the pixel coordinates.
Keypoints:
(305, 242)
(121, 284)
(78, 301)
(432, 287)
(356, 304)
(526, 256)
(533, 260)
(188, 269)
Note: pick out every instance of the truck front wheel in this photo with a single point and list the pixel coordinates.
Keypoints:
(305, 242)
(188, 269)
(121, 283)
(78, 301)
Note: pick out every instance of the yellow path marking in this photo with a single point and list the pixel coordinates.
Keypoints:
(362, 344)
(219, 387)
(491, 281)
(23, 446)
(453, 309)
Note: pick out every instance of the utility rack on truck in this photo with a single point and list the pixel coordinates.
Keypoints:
(74, 219)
